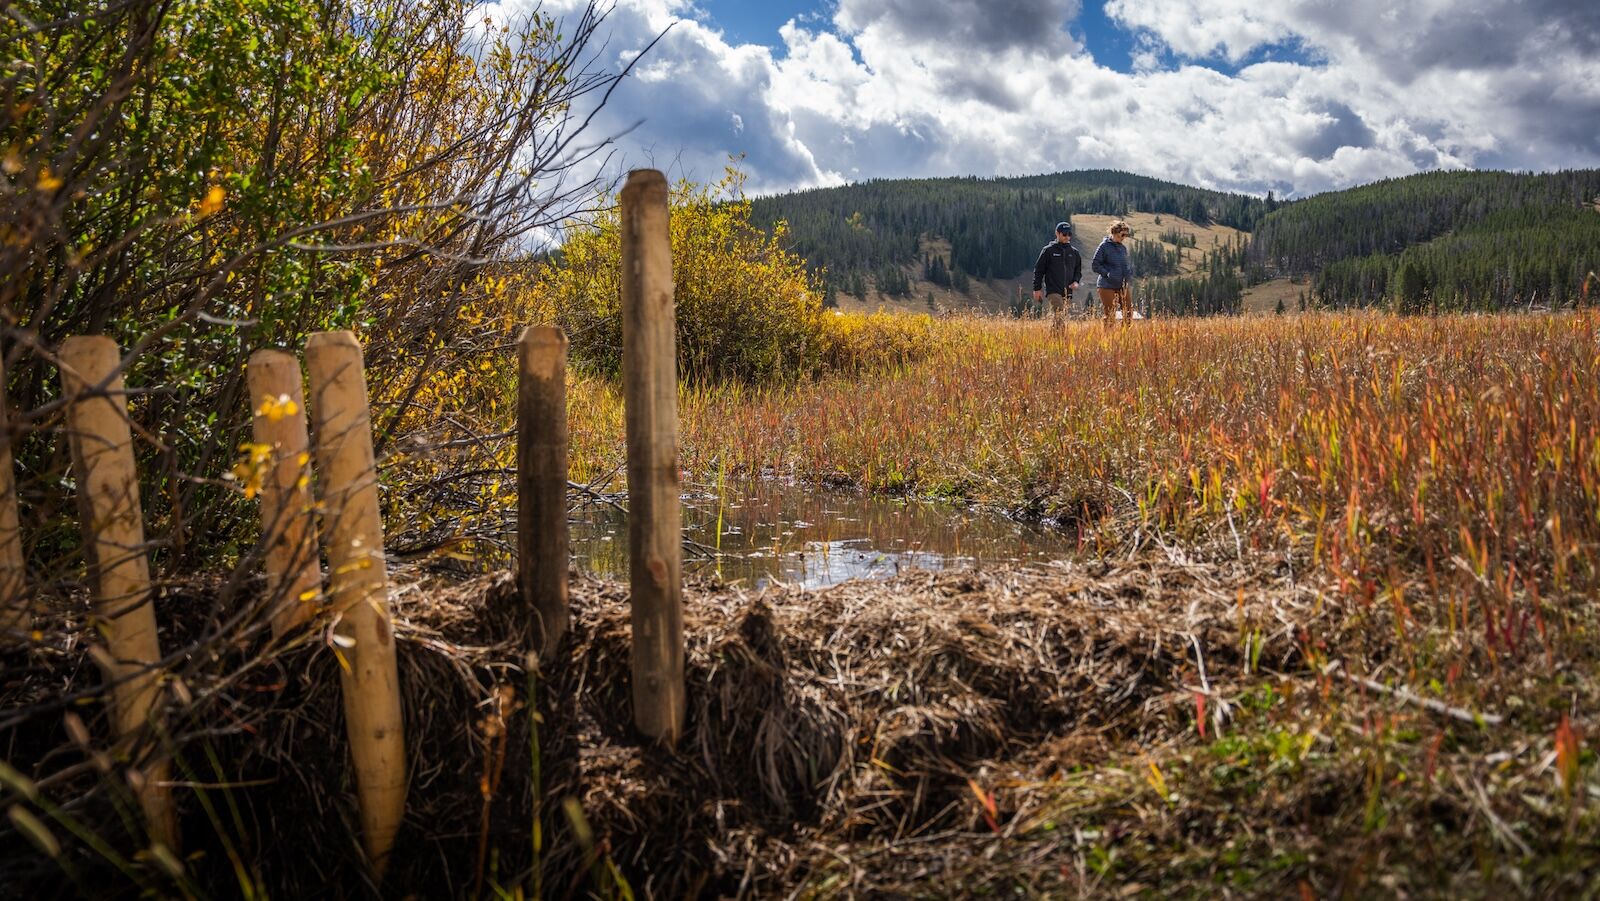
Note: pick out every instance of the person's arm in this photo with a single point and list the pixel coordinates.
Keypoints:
(1077, 270)
(1098, 264)
(1038, 271)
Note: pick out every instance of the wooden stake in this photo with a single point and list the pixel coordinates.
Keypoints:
(650, 389)
(359, 586)
(294, 576)
(16, 615)
(542, 483)
(119, 571)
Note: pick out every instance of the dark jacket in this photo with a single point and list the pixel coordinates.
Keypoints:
(1111, 263)
(1059, 266)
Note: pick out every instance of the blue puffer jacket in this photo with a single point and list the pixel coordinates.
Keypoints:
(1111, 263)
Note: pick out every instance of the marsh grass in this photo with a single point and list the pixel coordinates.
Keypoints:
(1331, 632)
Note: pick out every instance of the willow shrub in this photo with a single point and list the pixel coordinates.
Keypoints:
(747, 308)
(201, 178)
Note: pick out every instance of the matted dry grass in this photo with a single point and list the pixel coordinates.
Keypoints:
(1034, 732)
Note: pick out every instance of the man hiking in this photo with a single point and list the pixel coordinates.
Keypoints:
(1111, 263)
(1058, 271)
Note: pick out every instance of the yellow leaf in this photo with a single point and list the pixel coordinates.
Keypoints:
(1158, 782)
(276, 408)
(213, 201)
(48, 181)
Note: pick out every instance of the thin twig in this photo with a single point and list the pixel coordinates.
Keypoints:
(1408, 696)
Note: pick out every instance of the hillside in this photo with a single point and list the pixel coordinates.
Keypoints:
(1453, 240)
(866, 235)
(1475, 240)
(1181, 246)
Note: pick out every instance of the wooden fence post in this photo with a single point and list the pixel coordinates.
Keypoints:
(101, 441)
(650, 390)
(359, 587)
(16, 616)
(289, 529)
(542, 482)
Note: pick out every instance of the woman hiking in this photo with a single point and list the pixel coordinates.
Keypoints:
(1115, 269)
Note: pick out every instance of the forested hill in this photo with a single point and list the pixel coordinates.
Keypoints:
(995, 226)
(1460, 239)
(1390, 215)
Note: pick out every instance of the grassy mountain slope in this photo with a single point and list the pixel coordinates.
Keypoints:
(1011, 294)
(994, 227)
(1462, 240)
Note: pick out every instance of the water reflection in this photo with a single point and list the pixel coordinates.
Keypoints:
(774, 532)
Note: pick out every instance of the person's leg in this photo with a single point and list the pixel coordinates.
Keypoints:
(1108, 299)
(1126, 301)
(1058, 312)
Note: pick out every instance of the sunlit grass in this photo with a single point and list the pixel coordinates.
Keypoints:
(1355, 439)
(1453, 456)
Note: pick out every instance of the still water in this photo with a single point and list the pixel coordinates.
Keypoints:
(773, 532)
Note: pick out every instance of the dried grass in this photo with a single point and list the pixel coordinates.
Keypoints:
(1017, 731)
(854, 712)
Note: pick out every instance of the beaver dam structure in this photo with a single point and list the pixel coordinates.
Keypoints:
(1210, 719)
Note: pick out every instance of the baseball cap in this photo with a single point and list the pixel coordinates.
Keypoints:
(1064, 228)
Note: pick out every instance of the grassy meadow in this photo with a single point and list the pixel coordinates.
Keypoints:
(1360, 548)
(1354, 441)
(1447, 467)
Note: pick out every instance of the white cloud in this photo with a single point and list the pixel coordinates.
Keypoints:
(892, 88)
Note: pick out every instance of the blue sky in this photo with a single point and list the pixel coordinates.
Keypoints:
(756, 23)
(1292, 96)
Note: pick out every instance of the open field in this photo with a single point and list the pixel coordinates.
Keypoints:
(1390, 525)
(1264, 298)
(1279, 419)
(1357, 442)
(1423, 492)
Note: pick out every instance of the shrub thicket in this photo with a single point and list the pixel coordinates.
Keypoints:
(747, 309)
(202, 178)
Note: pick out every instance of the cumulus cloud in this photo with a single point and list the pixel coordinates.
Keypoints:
(891, 88)
(982, 25)
(1486, 82)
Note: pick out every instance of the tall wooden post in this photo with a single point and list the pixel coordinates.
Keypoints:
(542, 482)
(359, 585)
(101, 443)
(650, 389)
(16, 618)
(289, 530)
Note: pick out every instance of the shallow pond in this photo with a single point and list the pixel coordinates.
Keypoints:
(775, 532)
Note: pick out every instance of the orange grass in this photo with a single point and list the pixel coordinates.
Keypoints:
(1430, 485)
(1453, 456)
(1361, 441)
